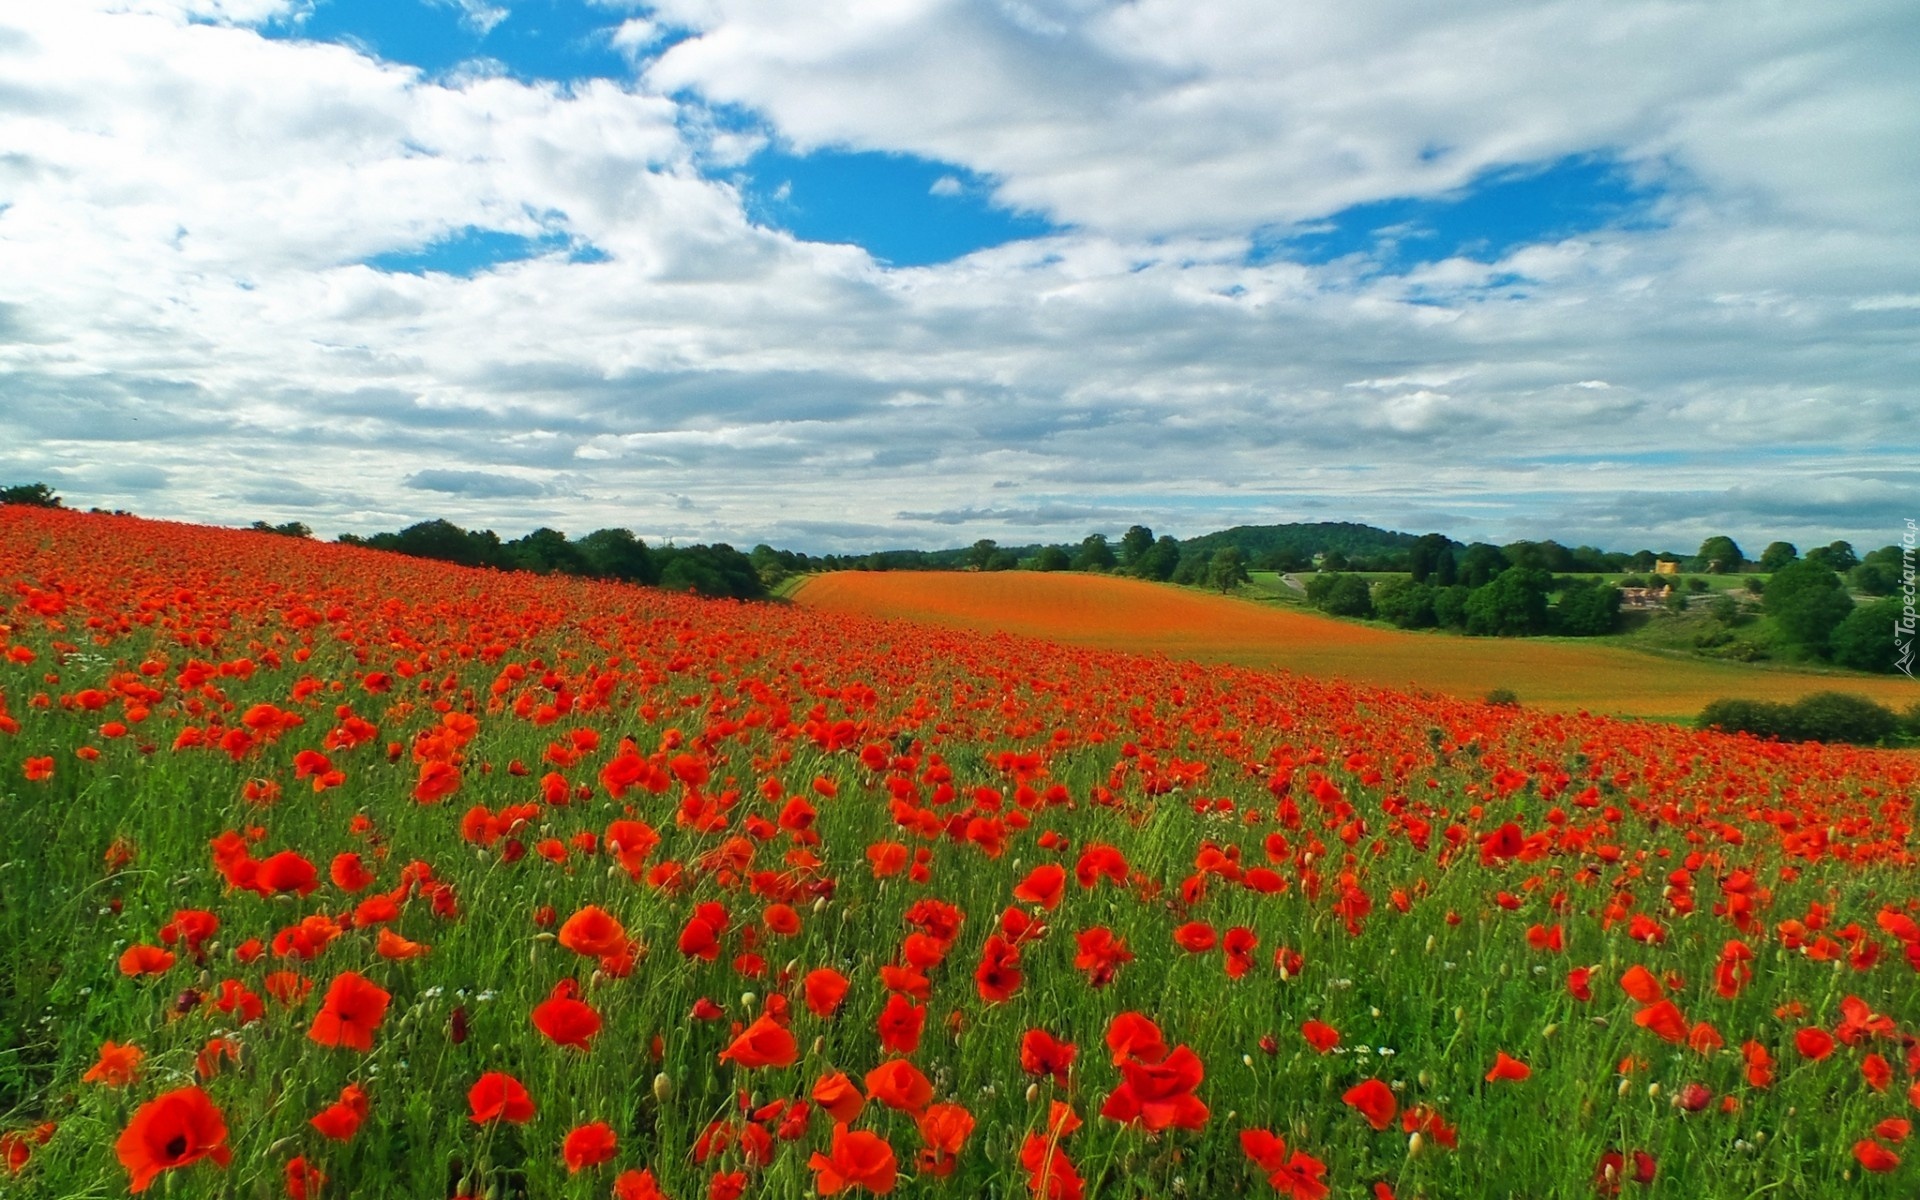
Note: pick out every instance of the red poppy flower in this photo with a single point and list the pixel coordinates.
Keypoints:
(565, 1020)
(1045, 885)
(145, 960)
(497, 1096)
(945, 1128)
(1664, 1020)
(1321, 1036)
(637, 1185)
(900, 1024)
(172, 1130)
(1506, 1067)
(998, 976)
(1195, 937)
(352, 1010)
(1814, 1044)
(1131, 1035)
(765, 1043)
(1159, 1095)
(118, 1066)
(1041, 1054)
(898, 1084)
(838, 1097)
(1875, 1157)
(824, 988)
(857, 1160)
(1297, 1175)
(341, 1119)
(304, 1180)
(1373, 1100)
(588, 1146)
(593, 932)
(1101, 954)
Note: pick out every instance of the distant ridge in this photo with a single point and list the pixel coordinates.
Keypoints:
(1304, 539)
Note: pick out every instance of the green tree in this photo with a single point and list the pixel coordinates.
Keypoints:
(1588, 608)
(1864, 639)
(1134, 545)
(1513, 604)
(1874, 578)
(1228, 569)
(1405, 603)
(1807, 601)
(1160, 560)
(1051, 558)
(618, 554)
(1450, 605)
(1094, 554)
(1720, 556)
(1480, 563)
(292, 529)
(546, 551)
(980, 557)
(1340, 594)
(1837, 555)
(1777, 555)
(34, 495)
(1423, 557)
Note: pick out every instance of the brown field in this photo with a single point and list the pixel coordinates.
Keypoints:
(1127, 614)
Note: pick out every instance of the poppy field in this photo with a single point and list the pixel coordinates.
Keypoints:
(332, 873)
(1109, 612)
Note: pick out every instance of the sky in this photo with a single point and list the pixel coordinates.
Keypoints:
(841, 275)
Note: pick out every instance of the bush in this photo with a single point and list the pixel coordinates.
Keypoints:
(1817, 717)
(1761, 718)
(1503, 698)
(1842, 717)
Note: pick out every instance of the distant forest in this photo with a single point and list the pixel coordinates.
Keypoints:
(1518, 589)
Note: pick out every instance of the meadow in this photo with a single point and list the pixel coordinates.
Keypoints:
(1109, 612)
(334, 873)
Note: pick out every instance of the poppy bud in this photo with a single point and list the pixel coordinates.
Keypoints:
(1550, 1030)
(1247, 1059)
(747, 1000)
(819, 905)
(662, 1088)
(819, 1044)
(1653, 1091)
(457, 1025)
(1626, 1085)
(186, 1002)
(1415, 1144)
(1033, 1092)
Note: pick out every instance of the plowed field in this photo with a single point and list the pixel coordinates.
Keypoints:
(1127, 614)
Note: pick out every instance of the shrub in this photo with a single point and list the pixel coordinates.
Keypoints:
(1761, 718)
(1816, 717)
(1842, 717)
(1503, 698)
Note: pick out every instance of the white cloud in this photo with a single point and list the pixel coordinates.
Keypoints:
(187, 329)
(477, 15)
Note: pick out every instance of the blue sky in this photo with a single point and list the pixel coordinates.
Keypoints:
(907, 210)
(833, 275)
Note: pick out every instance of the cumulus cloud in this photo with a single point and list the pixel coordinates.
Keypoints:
(190, 211)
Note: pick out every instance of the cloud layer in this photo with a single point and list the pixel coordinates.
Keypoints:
(189, 327)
